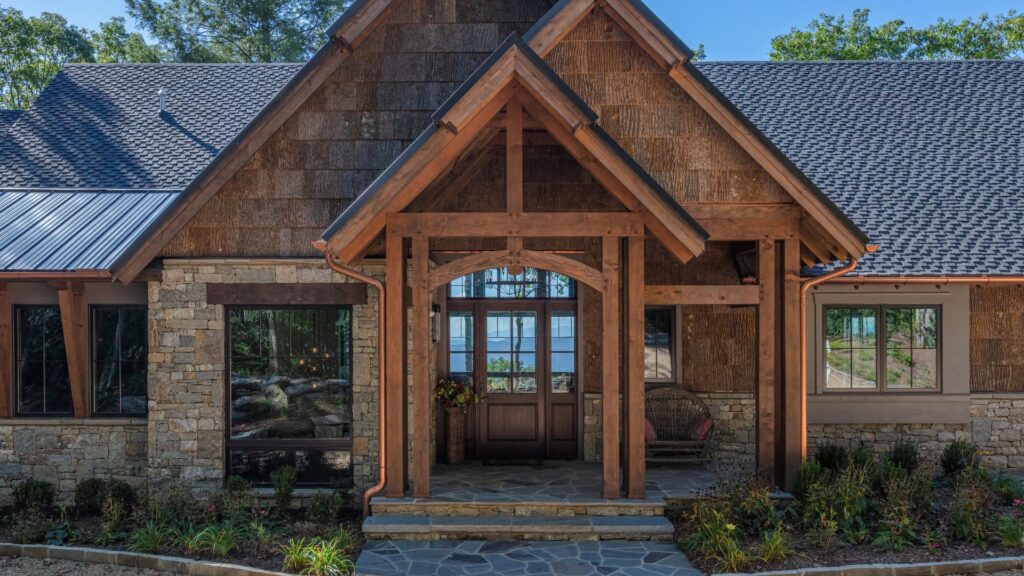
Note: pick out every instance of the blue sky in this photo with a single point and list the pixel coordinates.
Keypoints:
(729, 29)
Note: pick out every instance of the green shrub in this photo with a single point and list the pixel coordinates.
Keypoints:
(1010, 531)
(33, 495)
(236, 485)
(905, 455)
(150, 538)
(838, 505)
(714, 538)
(261, 535)
(320, 556)
(753, 507)
(187, 538)
(970, 505)
(958, 456)
(62, 532)
(863, 457)
(283, 480)
(237, 500)
(89, 496)
(170, 508)
(774, 546)
(832, 457)
(1008, 488)
(809, 473)
(112, 526)
(220, 539)
(122, 492)
(899, 512)
(325, 508)
(32, 526)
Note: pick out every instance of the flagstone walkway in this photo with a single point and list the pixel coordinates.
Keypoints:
(514, 558)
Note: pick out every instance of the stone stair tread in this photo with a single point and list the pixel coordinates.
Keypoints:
(570, 525)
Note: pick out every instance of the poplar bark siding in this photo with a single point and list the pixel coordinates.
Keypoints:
(353, 127)
(718, 348)
(655, 120)
(997, 339)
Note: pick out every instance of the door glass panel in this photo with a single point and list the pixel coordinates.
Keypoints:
(563, 352)
(460, 346)
(512, 352)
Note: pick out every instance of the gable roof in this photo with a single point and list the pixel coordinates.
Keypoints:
(99, 126)
(927, 156)
(8, 118)
(463, 117)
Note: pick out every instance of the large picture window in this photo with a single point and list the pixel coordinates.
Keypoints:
(499, 283)
(43, 386)
(290, 390)
(882, 348)
(658, 344)
(119, 357)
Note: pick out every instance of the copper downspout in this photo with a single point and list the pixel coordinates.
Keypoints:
(382, 392)
(805, 288)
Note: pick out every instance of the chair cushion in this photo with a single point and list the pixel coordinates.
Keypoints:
(650, 434)
(699, 429)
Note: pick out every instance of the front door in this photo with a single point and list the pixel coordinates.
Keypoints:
(525, 373)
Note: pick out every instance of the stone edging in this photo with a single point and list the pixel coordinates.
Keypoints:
(985, 565)
(131, 560)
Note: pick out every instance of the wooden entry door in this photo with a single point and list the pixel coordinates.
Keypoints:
(525, 372)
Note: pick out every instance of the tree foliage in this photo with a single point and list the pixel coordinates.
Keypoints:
(831, 37)
(114, 43)
(237, 30)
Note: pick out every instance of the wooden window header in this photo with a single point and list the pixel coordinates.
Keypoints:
(286, 294)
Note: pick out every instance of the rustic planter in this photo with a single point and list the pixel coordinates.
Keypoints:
(456, 436)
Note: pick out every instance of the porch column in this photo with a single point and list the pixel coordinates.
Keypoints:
(73, 322)
(6, 353)
(635, 465)
(766, 334)
(395, 370)
(422, 388)
(610, 350)
(795, 415)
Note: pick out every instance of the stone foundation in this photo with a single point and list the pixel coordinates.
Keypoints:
(68, 451)
(996, 426)
(187, 369)
(735, 418)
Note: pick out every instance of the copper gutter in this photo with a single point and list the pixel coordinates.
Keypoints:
(381, 363)
(983, 280)
(805, 288)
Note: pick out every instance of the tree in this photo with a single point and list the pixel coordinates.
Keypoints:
(838, 38)
(237, 30)
(32, 50)
(113, 43)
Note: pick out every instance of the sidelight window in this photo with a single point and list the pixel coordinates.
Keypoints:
(43, 385)
(658, 365)
(119, 357)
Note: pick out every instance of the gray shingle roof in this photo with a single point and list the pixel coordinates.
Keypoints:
(927, 157)
(8, 117)
(98, 126)
(92, 163)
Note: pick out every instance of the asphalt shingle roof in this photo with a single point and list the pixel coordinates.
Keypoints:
(92, 163)
(98, 126)
(926, 157)
(8, 117)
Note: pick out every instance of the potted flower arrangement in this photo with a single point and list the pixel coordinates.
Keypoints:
(456, 398)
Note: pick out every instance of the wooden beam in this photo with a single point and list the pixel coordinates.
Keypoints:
(610, 351)
(637, 26)
(6, 353)
(423, 401)
(461, 173)
(743, 211)
(523, 225)
(514, 170)
(526, 258)
(766, 359)
(394, 335)
(635, 462)
(739, 229)
(703, 295)
(544, 39)
(73, 321)
(795, 416)
(347, 294)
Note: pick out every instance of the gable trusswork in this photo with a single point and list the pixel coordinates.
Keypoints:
(832, 234)
(514, 70)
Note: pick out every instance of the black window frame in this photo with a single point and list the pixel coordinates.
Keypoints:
(17, 338)
(93, 309)
(290, 447)
(673, 342)
(881, 351)
(543, 284)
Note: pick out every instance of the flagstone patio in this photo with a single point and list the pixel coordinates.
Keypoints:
(509, 558)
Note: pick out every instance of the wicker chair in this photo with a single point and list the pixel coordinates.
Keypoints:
(671, 412)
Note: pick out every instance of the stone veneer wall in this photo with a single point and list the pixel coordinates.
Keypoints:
(67, 451)
(187, 369)
(735, 433)
(996, 426)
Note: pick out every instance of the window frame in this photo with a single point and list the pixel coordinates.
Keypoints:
(673, 343)
(543, 284)
(881, 351)
(93, 308)
(16, 340)
(290, 446)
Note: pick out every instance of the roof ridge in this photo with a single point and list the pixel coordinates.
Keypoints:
(842, 62)
(178, 64)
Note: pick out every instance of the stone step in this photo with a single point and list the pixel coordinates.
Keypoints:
(575, 528)
(437, 508)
